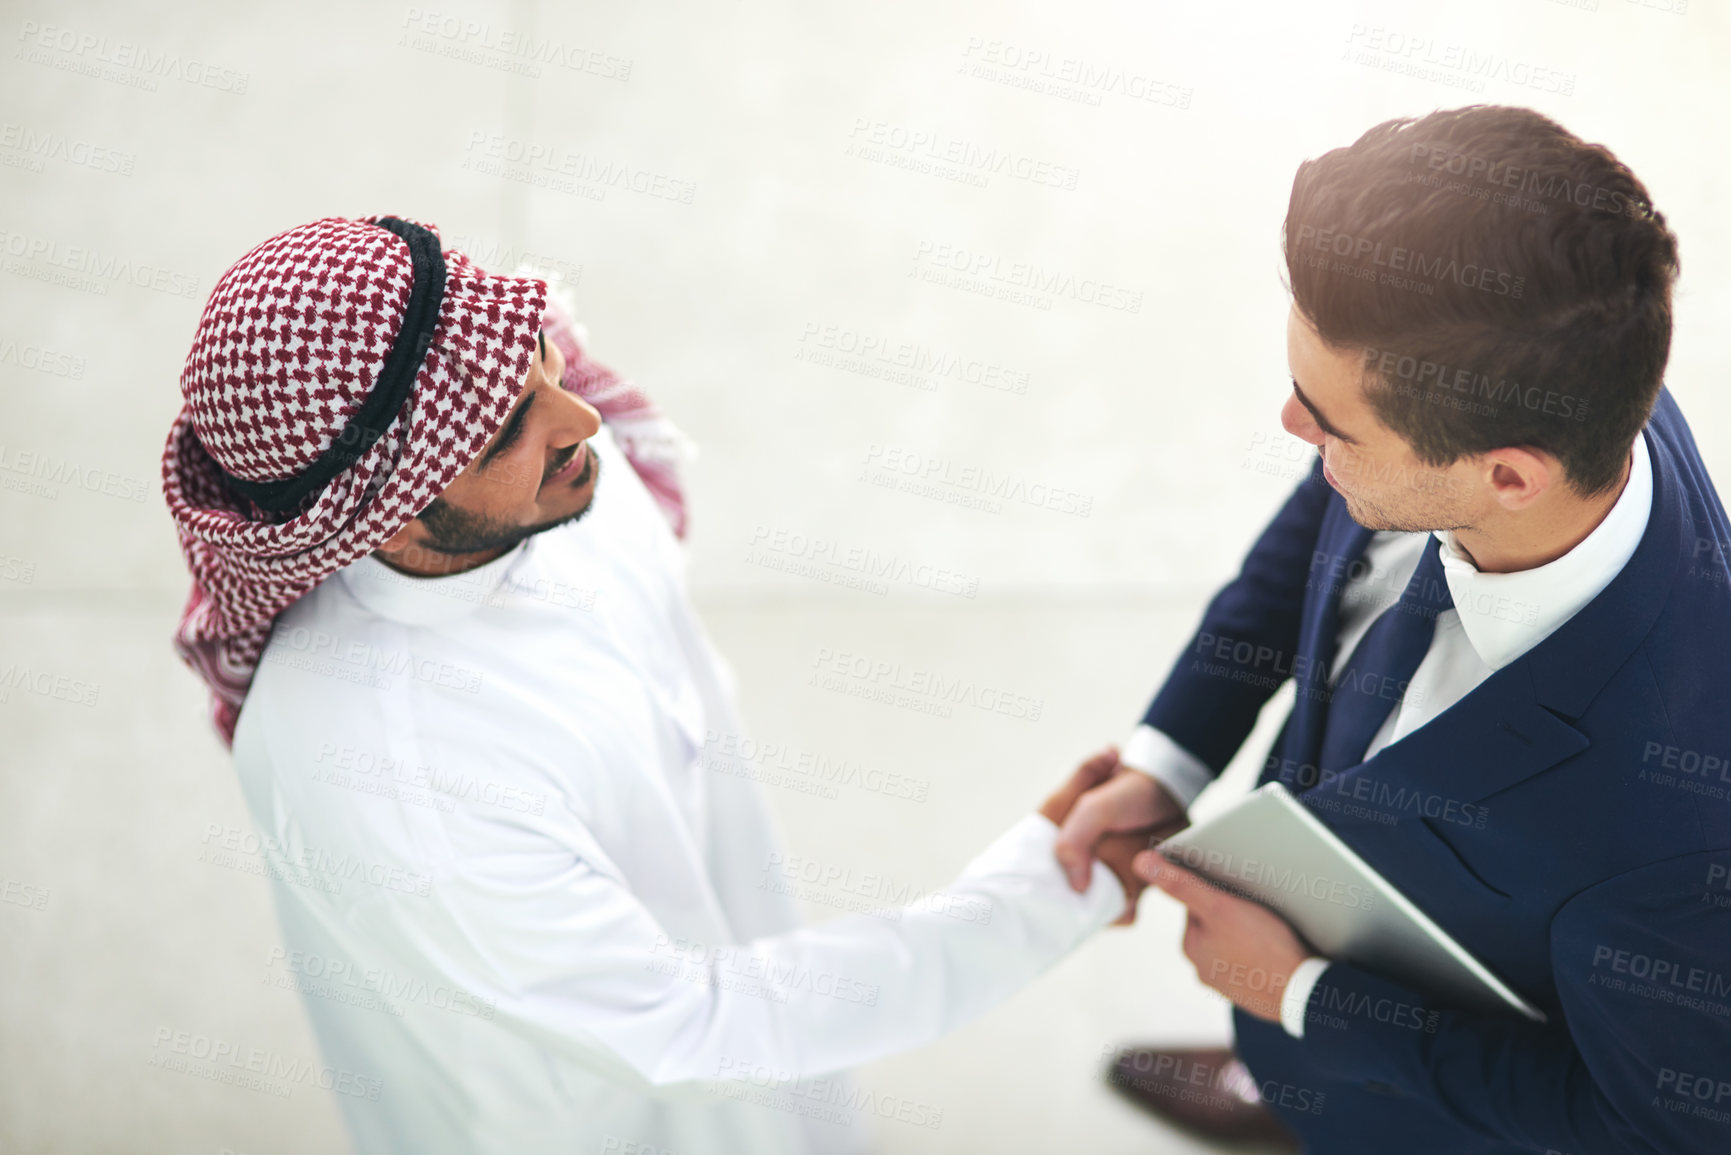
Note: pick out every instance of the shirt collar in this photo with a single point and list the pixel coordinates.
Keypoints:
(427, 601)
(1507, 614)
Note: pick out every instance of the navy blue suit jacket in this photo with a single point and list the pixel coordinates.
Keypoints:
(1568, 821)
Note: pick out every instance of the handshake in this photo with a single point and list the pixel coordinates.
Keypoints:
(1108, 810)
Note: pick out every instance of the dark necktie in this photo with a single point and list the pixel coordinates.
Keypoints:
(1375, 677)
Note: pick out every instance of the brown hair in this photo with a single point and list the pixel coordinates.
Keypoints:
(1508, 284)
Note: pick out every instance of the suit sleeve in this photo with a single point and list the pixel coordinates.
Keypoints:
(1248, 640)
(1641, 1061)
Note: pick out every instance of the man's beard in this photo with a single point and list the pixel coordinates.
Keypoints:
(1424, 517)
(455, 532)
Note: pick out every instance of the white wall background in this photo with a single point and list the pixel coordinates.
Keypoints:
(1163, 419)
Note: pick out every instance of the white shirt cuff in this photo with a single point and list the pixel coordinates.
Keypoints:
(1297, 996)
(1154, 754)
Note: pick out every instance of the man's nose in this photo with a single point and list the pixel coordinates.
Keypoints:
(578, 420)
(1296, 419)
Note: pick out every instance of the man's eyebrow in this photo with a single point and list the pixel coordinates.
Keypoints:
(1316, 415)
(513, 429)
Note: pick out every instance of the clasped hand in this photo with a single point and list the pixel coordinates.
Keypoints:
(1110, 811)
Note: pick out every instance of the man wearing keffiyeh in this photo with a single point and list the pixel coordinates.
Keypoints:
(528, 887)
(291, 335)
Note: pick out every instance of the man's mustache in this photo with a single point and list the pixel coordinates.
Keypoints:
(560, 462)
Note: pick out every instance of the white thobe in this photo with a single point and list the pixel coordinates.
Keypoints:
(523, 915)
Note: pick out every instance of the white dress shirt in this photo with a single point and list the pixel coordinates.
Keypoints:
(1496, 618)
(525, 917)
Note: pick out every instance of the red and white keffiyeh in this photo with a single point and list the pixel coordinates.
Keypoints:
(287, 349)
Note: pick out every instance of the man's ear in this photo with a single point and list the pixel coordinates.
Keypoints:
(1517, 477)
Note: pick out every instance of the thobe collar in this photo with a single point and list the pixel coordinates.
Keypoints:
(1506, 614)
(427, 601)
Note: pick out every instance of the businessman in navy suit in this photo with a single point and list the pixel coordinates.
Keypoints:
(1503, 598)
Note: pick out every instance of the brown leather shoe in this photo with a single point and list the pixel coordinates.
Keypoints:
(1206, 1091)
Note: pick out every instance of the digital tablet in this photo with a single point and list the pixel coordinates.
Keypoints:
(1270, 848)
